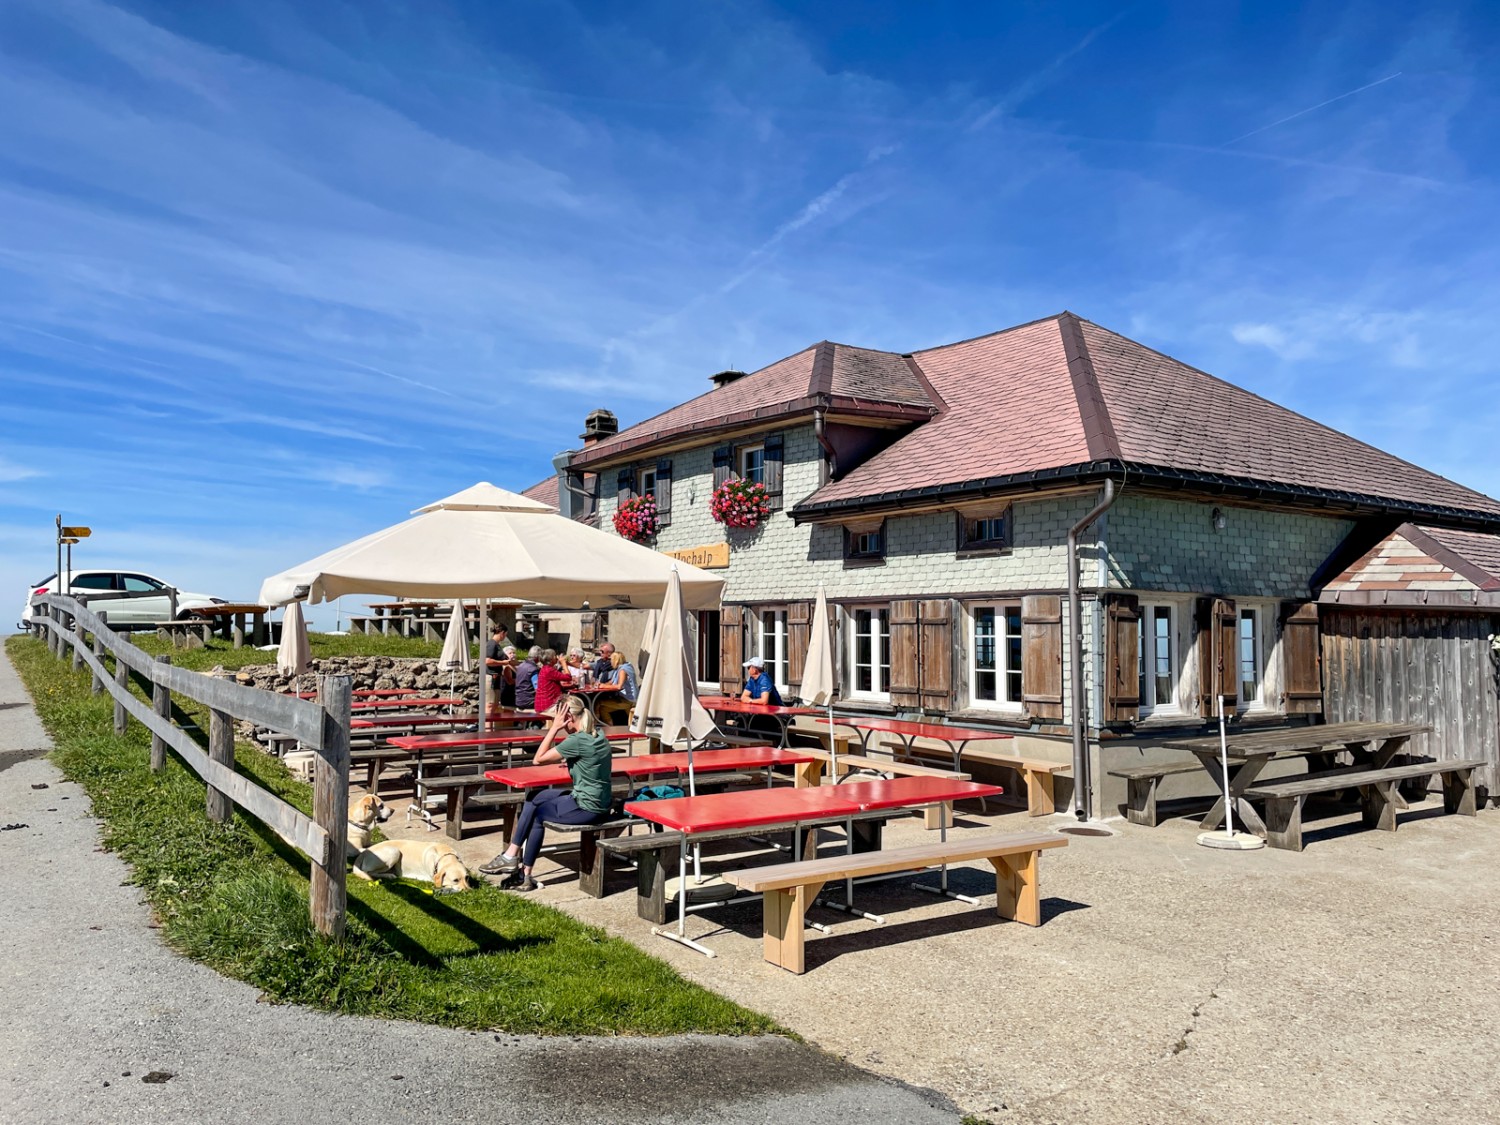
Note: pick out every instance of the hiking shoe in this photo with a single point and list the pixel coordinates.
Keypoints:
(501, 864)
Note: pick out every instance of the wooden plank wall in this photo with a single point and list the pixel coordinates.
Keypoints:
(1390, 666)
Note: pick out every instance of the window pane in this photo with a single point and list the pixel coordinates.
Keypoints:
(984, 654)
(883, 623)
(863, 671)
(139, 584)
(753, 465)
(91, 581)
(1249, 662)
(708, 644)
(1161, 637)
(1013, 686)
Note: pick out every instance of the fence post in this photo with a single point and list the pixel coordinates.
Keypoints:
(52, 629)
(161, 700)
(98, 684)
(122, 688)
(328, 900)
(221, 750)
(77, 644)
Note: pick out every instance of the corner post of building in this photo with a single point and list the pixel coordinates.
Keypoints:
(328, 900)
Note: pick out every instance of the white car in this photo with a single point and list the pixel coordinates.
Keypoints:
(152, 603)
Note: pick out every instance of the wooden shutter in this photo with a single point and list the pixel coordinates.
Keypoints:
(624, 485)
(664, 492)
(731, 649)
(588, 629)
(1041, 655)
(723, 464)
(935, 654)
(906, 641)
(1216, 656)
(1301, 676)
(798, 633)
(1122, 643)
(775, 461)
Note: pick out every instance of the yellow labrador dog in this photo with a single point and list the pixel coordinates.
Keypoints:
(432, 861)
(364, 813)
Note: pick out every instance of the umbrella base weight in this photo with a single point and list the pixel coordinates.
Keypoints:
(1223, 841)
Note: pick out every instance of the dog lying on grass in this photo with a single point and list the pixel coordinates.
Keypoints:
(432, 861)
(364, 813)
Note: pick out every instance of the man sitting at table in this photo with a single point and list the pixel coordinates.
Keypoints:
(603, 667)
(759, 687)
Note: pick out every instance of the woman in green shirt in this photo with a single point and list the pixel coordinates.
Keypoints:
(587, 754)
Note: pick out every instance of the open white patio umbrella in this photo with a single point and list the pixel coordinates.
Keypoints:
(455, 657)
(293, 654)
(818, 685)
(486, 542)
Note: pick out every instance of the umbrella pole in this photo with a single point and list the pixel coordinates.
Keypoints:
(484, 672)
(1228, 840)
(1224, 762)
(693, 792)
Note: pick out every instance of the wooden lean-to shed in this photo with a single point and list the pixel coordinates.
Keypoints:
(1409, 633)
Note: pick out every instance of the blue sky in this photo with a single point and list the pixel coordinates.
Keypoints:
(273, 274)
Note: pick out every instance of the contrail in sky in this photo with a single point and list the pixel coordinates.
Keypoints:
(1309, 109)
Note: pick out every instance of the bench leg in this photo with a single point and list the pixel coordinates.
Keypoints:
(867, 835)
(937, 816)
(1284, 823)
(453, 823)
(1141, 801)
(809, 775)
(591, 864)
(1378, 805)
(1458, 792)
(1017, 890)
(785, 917)
(651, 883)
(1040, 800)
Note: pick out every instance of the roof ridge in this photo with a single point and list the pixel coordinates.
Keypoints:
(1279, 406)
(1098, 428)
(820, 380)
(1454, 560)
(939, 402)
(988, 335)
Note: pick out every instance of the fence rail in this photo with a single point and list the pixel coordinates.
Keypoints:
(321, 725)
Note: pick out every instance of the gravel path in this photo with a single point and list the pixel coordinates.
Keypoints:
(109, 1025)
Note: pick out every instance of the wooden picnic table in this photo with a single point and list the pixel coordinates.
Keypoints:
(730, 705)
(1250, 752)
(795, 809)
(405, 701)
(363, 693)
(909, 731)
(229, 620)
(656, 765)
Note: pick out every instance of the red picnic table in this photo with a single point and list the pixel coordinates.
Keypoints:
(730, 705)
(363, 693)
(794, 809)
(910, 730)
(426, 719)
(405, 701)
(655, 765)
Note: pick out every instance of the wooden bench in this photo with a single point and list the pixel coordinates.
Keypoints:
(192, 632)
(655, 854)
(1142, 786)
(1378, 800)
(933, 816)
(789, 888)
(1036, 774)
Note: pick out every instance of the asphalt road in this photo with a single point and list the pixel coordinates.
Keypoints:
(106, 1024)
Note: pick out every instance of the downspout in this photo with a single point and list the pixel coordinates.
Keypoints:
(1083, 783)
(830, 458)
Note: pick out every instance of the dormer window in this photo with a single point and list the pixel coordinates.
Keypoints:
(984, 530)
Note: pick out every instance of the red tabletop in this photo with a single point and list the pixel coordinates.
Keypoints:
(911, 729)
(652, 765)
(734, 706)
(404, 701)
(363, 693)
(472, 738)
(422, 719)
(753, 808)
(590, 689)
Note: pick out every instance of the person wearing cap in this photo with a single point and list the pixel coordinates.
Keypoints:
(759, 687)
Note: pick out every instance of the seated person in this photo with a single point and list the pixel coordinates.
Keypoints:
(525, 684)
(508, 682)
(552, 680)
(574, 665)
(621, 678)
(587, 754)
(603, 668)
(759, 687)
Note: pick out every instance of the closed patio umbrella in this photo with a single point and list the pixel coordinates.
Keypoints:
(293, 654)
(486, 542)
(818, 684)
(455, 657)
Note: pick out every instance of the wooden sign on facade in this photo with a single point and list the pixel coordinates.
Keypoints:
(711, 556)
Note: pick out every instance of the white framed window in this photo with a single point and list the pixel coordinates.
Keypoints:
(752, 463)
(869, 653)
(995, 657)
(645, 483)
(771, 645)
(1250, 649)
(705, 626)
(1160, 657)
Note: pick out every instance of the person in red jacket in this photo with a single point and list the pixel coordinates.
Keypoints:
(552, 679)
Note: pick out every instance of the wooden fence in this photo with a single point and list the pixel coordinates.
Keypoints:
(320, 725)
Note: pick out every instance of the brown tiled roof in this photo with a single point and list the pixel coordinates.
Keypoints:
(831, 375)
(1473, 554)
(1063, 397)
(543, 491)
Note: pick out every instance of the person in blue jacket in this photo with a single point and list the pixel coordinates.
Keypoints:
(759, 688)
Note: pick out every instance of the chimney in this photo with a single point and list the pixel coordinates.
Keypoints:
(600, 424)
(724, 378)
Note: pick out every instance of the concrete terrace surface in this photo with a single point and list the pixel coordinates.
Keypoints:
(1356, 981)
(94, 1003)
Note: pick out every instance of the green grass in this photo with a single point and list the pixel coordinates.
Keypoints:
(235, 897)
(323, 645)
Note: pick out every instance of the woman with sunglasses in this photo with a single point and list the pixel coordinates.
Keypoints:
(587, 755)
